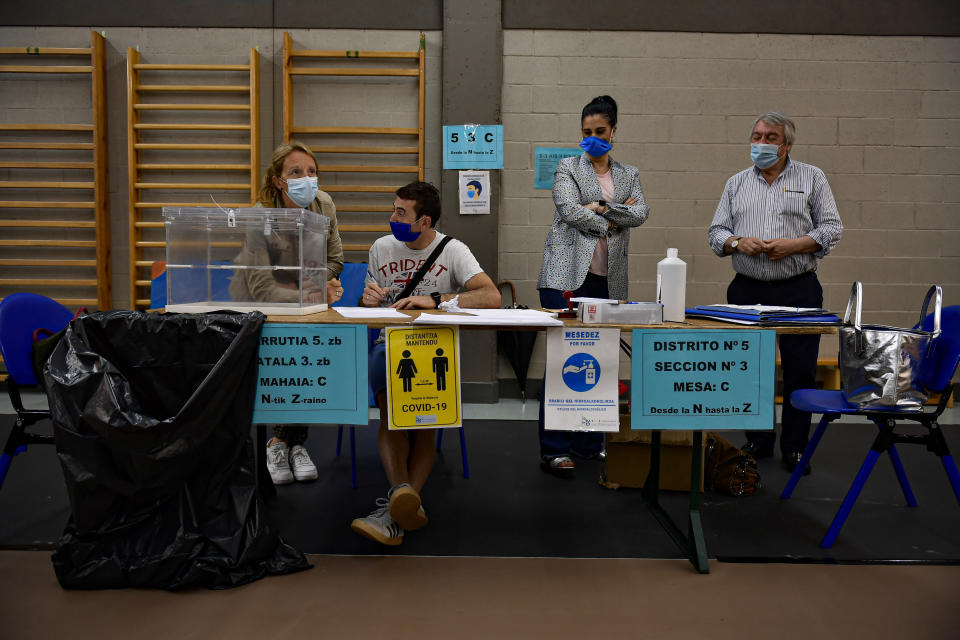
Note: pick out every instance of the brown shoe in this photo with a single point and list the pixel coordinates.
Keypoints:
(405, 507)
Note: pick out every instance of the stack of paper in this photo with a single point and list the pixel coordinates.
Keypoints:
(492, 317)
(763, 315)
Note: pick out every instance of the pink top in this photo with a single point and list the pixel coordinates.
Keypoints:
(598, 265)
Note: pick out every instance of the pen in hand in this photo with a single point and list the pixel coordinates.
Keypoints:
(382, 293)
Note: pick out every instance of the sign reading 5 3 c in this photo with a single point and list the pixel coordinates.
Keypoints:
(471, 137)
(473, 146)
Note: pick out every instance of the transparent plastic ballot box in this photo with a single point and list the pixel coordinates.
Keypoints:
(270, 260)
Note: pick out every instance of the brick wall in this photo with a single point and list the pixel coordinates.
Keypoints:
(880, 115)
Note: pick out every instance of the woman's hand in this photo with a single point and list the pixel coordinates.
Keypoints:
(313, 292)
(334, 291)
(597, 208)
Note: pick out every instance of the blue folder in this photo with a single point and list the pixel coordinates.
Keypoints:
(763, 319)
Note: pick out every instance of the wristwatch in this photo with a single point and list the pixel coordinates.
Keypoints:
(436, 299)
(734, 245)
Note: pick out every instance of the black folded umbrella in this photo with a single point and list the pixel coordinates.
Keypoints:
(517, 346)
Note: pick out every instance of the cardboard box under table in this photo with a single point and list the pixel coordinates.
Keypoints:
(628, 457)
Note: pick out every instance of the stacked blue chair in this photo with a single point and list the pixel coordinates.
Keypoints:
(936, 373)
(24, 317)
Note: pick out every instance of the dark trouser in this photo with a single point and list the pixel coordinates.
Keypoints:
(559, 443)
(294, 434)
(798, 353)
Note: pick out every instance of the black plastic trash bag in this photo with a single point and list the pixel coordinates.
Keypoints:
(151, 417)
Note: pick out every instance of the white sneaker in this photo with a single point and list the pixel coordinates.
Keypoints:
(303, 467)
(379, 525)
(278, 464)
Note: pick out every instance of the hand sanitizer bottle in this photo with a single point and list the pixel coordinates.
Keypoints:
(672, 286)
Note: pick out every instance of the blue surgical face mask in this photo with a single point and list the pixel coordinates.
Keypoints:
(403, 231)
(302, 190)
(595, 147)
(764, 155)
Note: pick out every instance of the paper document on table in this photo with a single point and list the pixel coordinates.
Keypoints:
(495, 317)
(763, 309)
(371, 312)
(728, 319)
(584, 299)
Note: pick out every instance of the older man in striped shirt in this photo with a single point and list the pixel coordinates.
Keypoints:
(778, 219)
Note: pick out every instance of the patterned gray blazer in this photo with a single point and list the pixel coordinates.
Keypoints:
(573, 236)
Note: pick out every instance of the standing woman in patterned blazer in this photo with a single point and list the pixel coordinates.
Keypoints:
(598, 200)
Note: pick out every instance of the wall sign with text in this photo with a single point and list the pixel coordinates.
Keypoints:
(423, 377)
(474, 192)
(703, 379)
(312, 373)
(473, 146)
(546, 161)
(580, 392)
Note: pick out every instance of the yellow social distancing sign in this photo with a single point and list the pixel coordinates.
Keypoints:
(423, 377)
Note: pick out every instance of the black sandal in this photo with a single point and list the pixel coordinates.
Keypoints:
(551, 464)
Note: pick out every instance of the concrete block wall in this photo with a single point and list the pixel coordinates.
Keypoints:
(880, 115)
(47, 100)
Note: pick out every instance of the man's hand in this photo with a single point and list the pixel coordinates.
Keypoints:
(780, 248)
(415, 302)
(373, 295)
(751, 246)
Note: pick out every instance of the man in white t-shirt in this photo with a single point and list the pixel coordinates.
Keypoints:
(408, 456)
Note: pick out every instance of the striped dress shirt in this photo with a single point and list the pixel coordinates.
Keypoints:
(798, 203)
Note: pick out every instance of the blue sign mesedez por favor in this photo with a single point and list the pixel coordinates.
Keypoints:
(312, 373)
(703, 379)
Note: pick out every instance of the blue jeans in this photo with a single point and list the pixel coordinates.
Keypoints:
(561, 443)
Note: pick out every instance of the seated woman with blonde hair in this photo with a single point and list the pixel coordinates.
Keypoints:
(290, 182)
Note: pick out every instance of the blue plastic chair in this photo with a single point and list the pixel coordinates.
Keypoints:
(352, 279)
(463, 450)
(936, 373)
(21, 315)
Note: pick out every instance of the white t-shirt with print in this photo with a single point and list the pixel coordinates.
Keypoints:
(393, 265)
